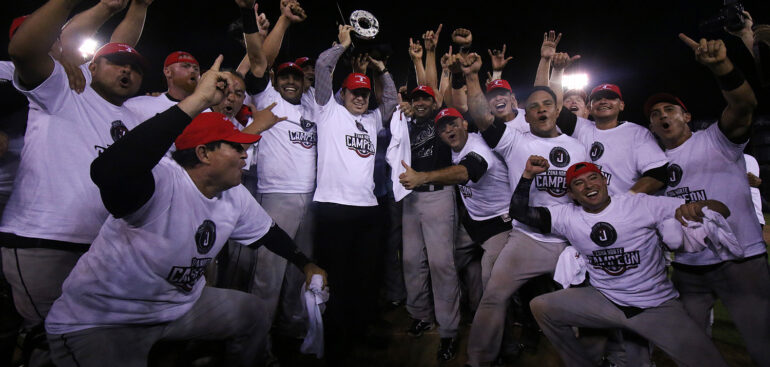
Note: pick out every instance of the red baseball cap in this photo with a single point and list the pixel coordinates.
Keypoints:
(447, 113)
(304, 61)
(425, 90)
(209, 127)
(499, 84)
(122, 53)
(606, 90)
(289, 67)
(179, 56)
(580, 168)
(15, 24)
(662, 97)
(357, 81)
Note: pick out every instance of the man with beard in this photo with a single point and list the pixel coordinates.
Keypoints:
(429, 220)
(709, 164)
(182, 72)
(46, 228)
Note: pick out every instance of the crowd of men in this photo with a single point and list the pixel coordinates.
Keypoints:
(126, 212)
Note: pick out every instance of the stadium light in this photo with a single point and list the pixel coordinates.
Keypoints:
(574, 81)
(88, 47)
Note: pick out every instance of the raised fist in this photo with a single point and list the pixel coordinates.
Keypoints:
(462, 37)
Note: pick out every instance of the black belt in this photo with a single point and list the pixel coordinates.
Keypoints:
(428, 188)
(11, 240)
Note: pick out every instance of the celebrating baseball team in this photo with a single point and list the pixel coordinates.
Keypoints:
(128, 215)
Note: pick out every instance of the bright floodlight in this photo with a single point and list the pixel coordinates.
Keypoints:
(88, 47)
(574, 81)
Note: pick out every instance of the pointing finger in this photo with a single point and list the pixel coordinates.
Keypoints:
(217, 63)
(688, 41)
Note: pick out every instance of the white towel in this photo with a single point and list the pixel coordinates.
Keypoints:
(399, 149)
(714, 233)
(570, 269)
(315, 297)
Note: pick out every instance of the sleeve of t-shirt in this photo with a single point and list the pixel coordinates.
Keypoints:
(253, 221)
(723, 145)
(648, 152)
(51, 93)
(659, 207)
(164, 175)
(560, 215)
(581, 125)
(6, 70)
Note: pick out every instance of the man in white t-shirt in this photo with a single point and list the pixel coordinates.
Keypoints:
(627, 153)
(142, 279)
(503, 104)
(575, 102)
(527, 253)
(752, 173)
(617, 237)
(181, 71)
(344, 195)
(44, 228)
(285, 171)
(709, 164)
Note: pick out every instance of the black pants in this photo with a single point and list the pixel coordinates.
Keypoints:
(348, 248)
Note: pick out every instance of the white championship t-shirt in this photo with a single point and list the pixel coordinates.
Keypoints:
(286, 155)
(346, 147)
(491, 195)
(623, 253)
(623, 153)
(148, 267)
(708, 166)
(550, 187)
(146, 107)
(6, 70)
(752, 166)
(519, 122)
(53, 195)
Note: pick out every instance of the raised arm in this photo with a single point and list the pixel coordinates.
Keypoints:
(129, 31)
(547, 52)
(291, 13)
(123, 172)
(325, 64)
(746, 34)
(430, 38)
(537, 217)
(30, 45)
(561, 61)
(389, 93)
(253, 38)
(415, 54)
(499, 61)
(477, 103)
(736, 118)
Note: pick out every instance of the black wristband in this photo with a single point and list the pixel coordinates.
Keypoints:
(249, 20)
(458, 80)
(731, 80)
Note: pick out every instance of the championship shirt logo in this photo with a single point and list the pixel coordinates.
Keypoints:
(554, 182)
(304, 139)
(185, 277)
(306, 125)
(360, 127)
(687, 195)
(466, 191)
(674, 175)
(559, 157)
(205, 236)
(117, 130)
(361, 144)
(597, 149)
(603, 234)
(614, 261)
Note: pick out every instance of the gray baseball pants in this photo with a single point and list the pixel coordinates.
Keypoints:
(219, 314)
(743, 287)
(468, 262)
(429, 220)
(522, 259)
(274, 281)
(668, 326)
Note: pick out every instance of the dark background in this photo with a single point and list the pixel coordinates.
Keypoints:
(630, 43)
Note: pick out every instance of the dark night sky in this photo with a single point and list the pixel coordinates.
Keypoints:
(633, 44)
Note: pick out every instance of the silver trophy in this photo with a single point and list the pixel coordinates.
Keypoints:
(365, 25)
